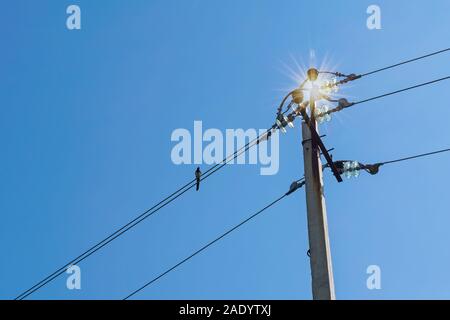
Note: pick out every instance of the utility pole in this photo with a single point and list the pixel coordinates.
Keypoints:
(319, 243)
(313, 147)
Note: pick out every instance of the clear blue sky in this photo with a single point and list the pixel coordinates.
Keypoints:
(85, 125)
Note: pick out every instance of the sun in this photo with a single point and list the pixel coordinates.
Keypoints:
(316, 86)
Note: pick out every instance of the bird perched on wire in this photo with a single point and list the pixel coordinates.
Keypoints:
(198, 174)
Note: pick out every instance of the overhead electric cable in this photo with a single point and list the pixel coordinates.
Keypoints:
(415, 156)
(405, 62)
(344, 104)
(144, 215)
(292, 189)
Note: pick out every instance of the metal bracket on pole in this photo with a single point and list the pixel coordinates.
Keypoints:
(316, 138)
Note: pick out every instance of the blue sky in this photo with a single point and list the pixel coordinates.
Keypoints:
(85, 136)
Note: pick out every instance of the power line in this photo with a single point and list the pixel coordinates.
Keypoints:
(208, 173)
(353, 76)
(95, 248)
(401, 90)
(414, 157)
(292, 189)
(299, 183)
(344, 104)
(374, 168)
(177, 194)
(90, 250)
(405, 62)
(144, 215)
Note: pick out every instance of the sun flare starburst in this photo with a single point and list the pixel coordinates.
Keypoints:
(317, 82)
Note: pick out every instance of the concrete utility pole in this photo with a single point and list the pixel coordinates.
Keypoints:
(319, 244)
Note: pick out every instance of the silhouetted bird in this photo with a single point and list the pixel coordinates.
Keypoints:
(198, 174)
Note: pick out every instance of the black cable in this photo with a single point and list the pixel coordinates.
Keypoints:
(414, 157)
(405, 62)
(204, 247)
(283, 101)
(398, 91)
(56, 274)
(80, 257)
(345, 104)
(140, 218)
(352, 77)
